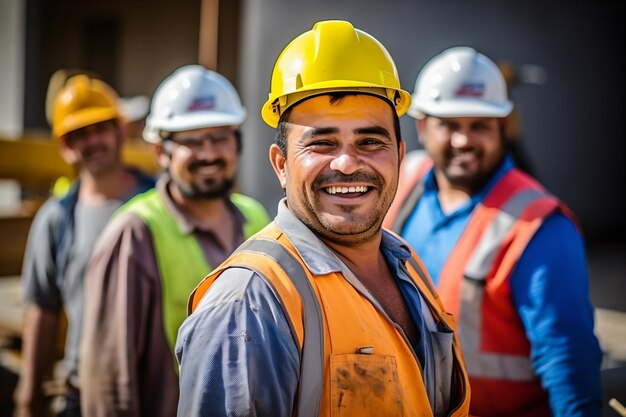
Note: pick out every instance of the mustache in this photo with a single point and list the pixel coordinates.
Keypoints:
(199, 164)
(337, 177)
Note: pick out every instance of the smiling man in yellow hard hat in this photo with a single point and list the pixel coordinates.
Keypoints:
(88, 126)
(323, 313)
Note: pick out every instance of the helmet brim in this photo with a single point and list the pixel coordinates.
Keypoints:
(84, 118)
(192, 121)
(459, 108)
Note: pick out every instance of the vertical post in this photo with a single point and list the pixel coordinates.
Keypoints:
(12, 67)
(209, 25)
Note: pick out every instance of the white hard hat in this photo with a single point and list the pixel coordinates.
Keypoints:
(460, 82)
(193, 97)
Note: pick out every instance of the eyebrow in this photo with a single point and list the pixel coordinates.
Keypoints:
(370, 130)
(373, 130)
(313, 132)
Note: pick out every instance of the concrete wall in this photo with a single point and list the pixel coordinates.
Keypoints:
(571, 125)
(12, 23)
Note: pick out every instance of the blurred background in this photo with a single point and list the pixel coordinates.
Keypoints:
(564, 61)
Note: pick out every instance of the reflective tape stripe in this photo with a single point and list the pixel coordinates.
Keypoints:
(483, 255)
(312, 355)
(480, 364)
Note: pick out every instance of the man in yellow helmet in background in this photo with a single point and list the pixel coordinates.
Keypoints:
(323, 313)
(89, 128)
(161, 244)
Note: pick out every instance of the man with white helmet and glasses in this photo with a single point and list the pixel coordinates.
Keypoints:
(323, 313)
(161, 244)
(507, 257)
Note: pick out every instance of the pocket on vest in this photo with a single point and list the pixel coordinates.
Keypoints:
(364, 385)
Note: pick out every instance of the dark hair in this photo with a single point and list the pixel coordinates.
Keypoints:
(282, 131)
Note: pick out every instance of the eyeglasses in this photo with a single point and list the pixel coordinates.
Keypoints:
(217, 139)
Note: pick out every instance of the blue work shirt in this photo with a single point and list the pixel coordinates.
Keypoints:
(549, 287)
(236, 352)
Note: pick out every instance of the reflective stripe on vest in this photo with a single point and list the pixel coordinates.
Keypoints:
(312, 355)
(479, 364)
(504, 229)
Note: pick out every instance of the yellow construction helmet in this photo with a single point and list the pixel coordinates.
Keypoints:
(81, 102)
(333, 56)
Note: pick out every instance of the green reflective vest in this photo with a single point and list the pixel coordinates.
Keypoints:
(180, 259)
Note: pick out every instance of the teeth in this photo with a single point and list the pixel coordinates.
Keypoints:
(344, 190)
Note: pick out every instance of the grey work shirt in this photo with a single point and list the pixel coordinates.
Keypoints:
(236, 352)
(40, 284)
(127, 366)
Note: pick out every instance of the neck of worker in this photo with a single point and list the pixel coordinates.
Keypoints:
(112, 184)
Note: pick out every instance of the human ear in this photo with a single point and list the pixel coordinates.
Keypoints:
(67, 153)
(163, 155)
(279, 163)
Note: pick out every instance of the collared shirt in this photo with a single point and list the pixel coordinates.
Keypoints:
(549, 287)
(236, 352)
(135, 374)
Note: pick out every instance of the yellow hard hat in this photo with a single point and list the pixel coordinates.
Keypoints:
(81, 102)
(333, 56)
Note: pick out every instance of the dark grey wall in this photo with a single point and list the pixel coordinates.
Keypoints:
(570, 126)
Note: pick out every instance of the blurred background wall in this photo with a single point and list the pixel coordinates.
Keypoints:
(565, 60)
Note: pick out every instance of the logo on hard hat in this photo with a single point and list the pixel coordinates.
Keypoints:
(470, 90)
(202, 103)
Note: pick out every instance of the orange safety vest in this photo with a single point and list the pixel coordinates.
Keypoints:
(354, 361)
(474, 286)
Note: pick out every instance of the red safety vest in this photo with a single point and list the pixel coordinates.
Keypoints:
(474, 286)
(354, 362)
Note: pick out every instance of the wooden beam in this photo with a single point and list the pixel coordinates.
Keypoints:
(36, 162)
(209, 26)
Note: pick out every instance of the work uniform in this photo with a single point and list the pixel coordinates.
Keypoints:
(287, 326)
(510, 264)
(132, 300)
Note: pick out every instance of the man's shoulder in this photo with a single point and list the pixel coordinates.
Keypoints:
(235, 284)
(126, 225)
(50, 213)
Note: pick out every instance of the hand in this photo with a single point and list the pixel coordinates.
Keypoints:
(32, 409)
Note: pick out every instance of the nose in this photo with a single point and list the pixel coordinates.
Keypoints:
(459, 139)
(346, 163)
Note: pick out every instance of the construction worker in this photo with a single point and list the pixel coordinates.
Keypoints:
(324, 313)
(507, 257)
(161, 244)
(88, 126)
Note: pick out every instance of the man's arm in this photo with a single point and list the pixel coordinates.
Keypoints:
(38, 352)
(551, 291)
(236, 352)
(43, 304)
(123, 327)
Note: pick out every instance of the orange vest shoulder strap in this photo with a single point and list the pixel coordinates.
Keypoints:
(413, 168)
(272, 256)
